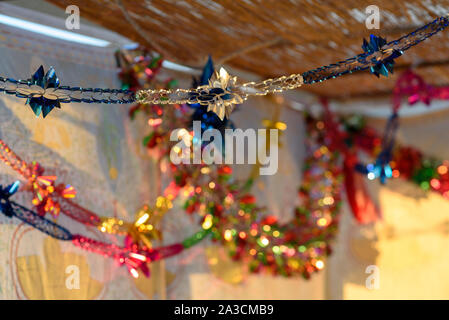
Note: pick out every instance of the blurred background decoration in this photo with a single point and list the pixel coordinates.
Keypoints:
(114, 154)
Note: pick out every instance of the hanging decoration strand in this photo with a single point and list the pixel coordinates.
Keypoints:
(223, 90)
(370, 58)
(43, 91)
(65, 94)
(12, 209)
(131, 255)
(40, 223)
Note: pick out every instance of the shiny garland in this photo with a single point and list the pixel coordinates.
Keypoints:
(297, 247)
(222, 92)
(56, 199)
(134, 257)
(228, 210)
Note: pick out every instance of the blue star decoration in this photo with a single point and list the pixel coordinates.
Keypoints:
(381, 67)
(209, 119)
(43, 104)
(381, 168)
(5, 193)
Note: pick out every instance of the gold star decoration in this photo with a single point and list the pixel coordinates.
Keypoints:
(219, 94)
(145, 228)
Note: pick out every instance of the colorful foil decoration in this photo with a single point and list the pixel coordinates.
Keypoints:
(218, 95)
(382, 66)
(412, 87)
(145, 229)
(387, 53)
(137, 71)
(132, 256)
(43, 187)
(230, 215)
(44, 101)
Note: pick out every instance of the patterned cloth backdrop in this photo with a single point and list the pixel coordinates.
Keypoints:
(90, 147)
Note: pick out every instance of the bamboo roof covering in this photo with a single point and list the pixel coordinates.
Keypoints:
(278, 37)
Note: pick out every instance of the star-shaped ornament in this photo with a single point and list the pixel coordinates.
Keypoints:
(219, 95)
(44, 101)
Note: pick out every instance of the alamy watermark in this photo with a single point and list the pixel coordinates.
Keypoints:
(234, 145)
(372, 20)
(72, 282)
(73, 20)
(372, 282)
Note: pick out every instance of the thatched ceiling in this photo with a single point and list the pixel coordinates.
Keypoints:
(275, 37)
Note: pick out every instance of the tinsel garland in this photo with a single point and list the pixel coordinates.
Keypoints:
(55, 199)
(412, 88)
(47, 196)
(132, 256)
(229, 212)
(44, 92)
(224, 91)
(299, 246)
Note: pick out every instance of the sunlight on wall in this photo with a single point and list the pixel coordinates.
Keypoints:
(411, 247)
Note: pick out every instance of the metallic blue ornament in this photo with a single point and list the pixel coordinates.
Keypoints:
(44, 104)
(375, 44)
(5, 193)
(381, 168)
(382, 67)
